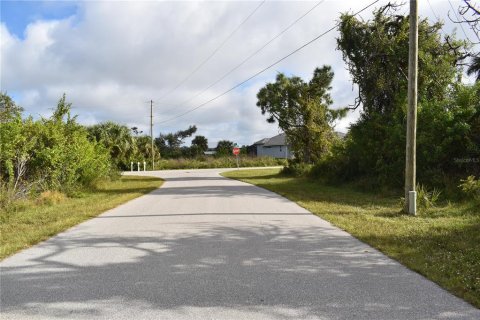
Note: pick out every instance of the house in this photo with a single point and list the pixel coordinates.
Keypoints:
(210, 152)
(275, 147)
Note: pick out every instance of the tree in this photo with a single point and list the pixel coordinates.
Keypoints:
(224, 147)
(474, 68)
(301, 110)
(118, 139)
(170, 143)
(199, 145)
(376, 54)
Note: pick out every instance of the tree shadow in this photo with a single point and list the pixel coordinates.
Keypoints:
(269, 271)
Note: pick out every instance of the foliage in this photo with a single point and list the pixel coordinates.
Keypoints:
(297, 169)
(471, 187)
(224, 148)
(47, 154)
(302, 112)
(426, 199)
(199, 145)
(474, 68)
(376, 53)
(170, 144)
(217, 162)
(118, 140)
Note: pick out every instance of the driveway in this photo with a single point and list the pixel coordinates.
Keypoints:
(206, 247)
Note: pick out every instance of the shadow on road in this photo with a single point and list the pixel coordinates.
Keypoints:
(263, 268)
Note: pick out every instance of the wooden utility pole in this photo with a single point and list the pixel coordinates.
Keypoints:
(410, 158)
(151, 133)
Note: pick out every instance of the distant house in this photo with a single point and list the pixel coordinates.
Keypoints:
(210, 152)
(275, 147)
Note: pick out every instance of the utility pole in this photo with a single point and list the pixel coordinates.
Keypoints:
(151, 133)
(410, 157)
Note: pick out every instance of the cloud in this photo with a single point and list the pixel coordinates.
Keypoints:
(111, 58)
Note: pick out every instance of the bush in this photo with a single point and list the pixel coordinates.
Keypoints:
(471, 187)
(297, 169)
(47, 154)
(50, 197)
(217, 162)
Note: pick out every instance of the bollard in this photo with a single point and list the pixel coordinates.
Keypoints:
(138, 166)
(131, 166)
(144, 166)
(412, 202)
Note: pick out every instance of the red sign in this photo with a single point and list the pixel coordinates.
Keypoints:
(236, 151)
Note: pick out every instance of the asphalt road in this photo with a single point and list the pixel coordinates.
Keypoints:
(205, 247)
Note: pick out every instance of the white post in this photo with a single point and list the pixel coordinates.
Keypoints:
(131, 166)
(138, 166)
(144, 166)
(412, 202)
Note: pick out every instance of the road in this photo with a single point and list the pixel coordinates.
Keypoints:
(206, 247)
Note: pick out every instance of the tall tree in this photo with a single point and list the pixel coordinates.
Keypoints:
(376, 54)
(224, 147)
(301, 110)
(199, 145)
(118, 139)
(170, 143)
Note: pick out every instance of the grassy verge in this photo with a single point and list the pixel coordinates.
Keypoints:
(220, 162)
(32, 221)
(443, 244)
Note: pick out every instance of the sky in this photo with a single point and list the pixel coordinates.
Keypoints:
(111, 58)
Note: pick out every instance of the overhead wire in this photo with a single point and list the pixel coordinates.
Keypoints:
(458, 19)
(179, 84)
(250, 56)
(266, 68)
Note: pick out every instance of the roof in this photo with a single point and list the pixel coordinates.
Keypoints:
(278, 140)
(261, 141)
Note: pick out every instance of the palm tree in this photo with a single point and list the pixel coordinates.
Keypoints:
(474, 68)
(118, 140)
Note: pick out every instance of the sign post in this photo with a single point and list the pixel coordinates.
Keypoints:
(236, 152)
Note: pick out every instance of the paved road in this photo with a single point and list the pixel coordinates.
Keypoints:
(205, 247)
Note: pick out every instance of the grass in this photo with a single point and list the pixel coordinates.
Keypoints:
(218, 162)
(442, 244)
(38, 219)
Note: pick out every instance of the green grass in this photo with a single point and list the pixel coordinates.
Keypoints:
(30, 222)
(442, 244)
(218, 162)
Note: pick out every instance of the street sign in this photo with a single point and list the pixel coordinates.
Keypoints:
(236, 151)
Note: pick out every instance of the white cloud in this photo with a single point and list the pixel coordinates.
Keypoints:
(111, 58)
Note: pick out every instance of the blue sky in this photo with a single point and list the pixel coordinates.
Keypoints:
(18, 14)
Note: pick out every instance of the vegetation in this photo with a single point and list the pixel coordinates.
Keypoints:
(170, 143)
(47, 154)
(33, 220)
(441, 243)
(372, 154)
(224, 148)
(218, 162)
(302, 112)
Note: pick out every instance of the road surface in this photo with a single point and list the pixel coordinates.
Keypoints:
(206, 247)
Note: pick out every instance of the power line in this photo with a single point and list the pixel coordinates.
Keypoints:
(433, 11)
(213, 53)
(458, 19)
(266, 68)
(253, 54)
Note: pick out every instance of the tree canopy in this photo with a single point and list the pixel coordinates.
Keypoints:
(301, 110)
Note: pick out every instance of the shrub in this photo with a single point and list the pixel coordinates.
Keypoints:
(297, 169)
(50, 197)
(471, 187)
